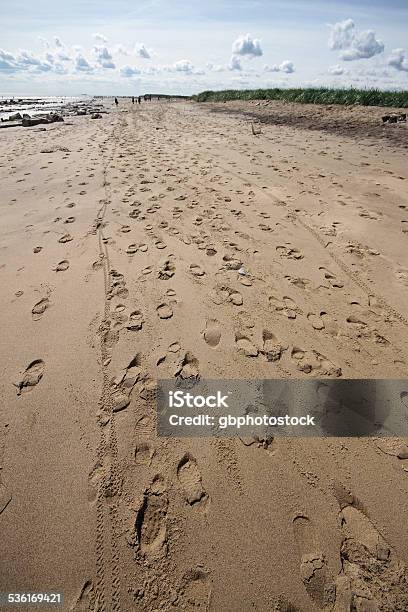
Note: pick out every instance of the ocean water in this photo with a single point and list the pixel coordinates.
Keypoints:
(33, 105)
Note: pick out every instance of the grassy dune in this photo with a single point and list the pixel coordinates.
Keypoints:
(364, 97)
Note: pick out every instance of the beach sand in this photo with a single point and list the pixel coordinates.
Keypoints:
(121, 244)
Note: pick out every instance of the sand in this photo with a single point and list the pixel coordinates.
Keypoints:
(121, 244)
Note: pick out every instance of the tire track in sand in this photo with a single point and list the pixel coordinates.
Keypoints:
(107, 553)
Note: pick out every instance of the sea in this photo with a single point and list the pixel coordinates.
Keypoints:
(33, 105)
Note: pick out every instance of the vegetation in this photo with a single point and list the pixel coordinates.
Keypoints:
(322, 95)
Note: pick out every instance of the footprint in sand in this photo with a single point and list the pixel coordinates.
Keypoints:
(196, 270)
(166, 270)
(37, 249)
(132, 249)
(212, 333)
(376, 579)
(314, 572)
(69, 220)
(32, 375)
(164, 311)
(62, 266)
(160, 245)
(312, 362)
(39, 308)
(150, 527)
(236, 298)
(331, 278)
(196, 589)
(65, 238)
(147, 270)
(286, 306)
(136, 321)
(189, 368)
(272, 348)
(143, 453)
(174, 347)
(190, 479)
(330, 325)
(245, 346)
(316, 321)
(289, 252)
(86, 599)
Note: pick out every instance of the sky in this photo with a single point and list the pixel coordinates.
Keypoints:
(131, 47)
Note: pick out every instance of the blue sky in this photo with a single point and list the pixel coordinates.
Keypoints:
(125, 47)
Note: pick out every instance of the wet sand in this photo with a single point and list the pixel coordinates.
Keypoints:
(121, 243)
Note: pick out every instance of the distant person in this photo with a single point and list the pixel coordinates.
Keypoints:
(116, 102)
(139, 99)
(133, 99)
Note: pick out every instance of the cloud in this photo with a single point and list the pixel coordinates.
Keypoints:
(104, 57)
(82, 64)
(336, 70)
(58, 42)
(341, 35)
(398, 60)
(63, 56)
(286, 66)
(364, 46)
(141, 51)
(234, 63)
(100, 37)
(247, 46)
(353, 44)
(215, 68)
(26, 61)
(7, 62)
(184, 66)
(129, 71)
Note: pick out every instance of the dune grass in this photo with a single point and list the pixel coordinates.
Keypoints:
(363, 97)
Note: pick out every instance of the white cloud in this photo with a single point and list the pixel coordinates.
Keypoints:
(285, 66)
(336, 70)
(341, 34)
(58, 42)
(364, 46)
(100, 37)
(82, 64)
(248, 46)
(7, 62)
(183, 66)
(215, 68)
(234, 63)
(141, 51)
(104, 57)
(399, 60)
(354, 45)
(129, 71)
(63, 56)
(26, 61)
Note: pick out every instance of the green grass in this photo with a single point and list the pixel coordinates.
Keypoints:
(363, 97)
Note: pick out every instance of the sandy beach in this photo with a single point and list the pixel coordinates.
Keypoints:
(166, 239)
